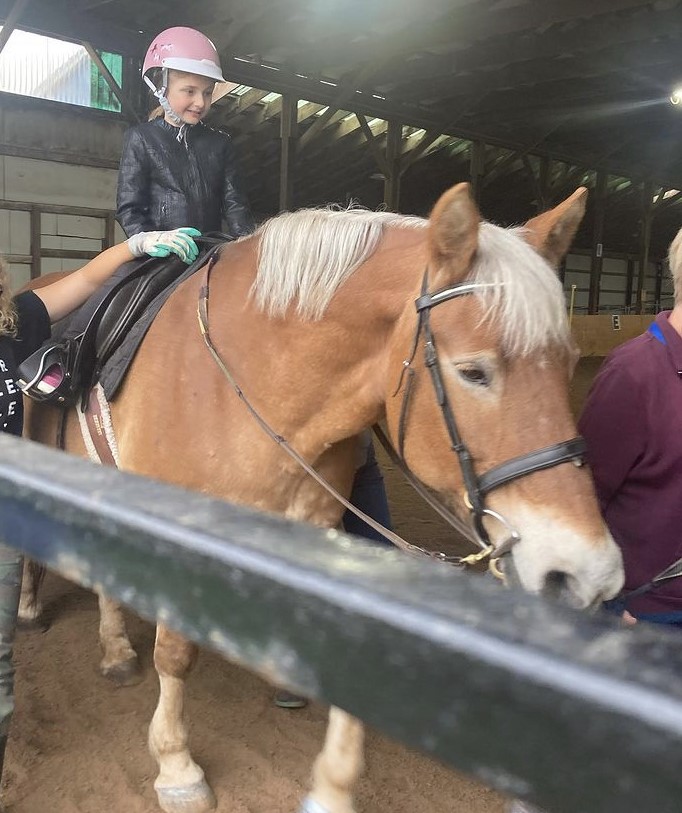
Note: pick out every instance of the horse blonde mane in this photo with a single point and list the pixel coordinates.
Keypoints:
(304, 257)
(523, 294)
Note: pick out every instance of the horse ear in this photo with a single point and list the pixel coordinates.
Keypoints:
(552, 233)
(453, 234)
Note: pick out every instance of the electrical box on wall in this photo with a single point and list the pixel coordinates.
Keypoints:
(615, 321)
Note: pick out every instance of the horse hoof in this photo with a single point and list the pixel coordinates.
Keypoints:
(309, 805)
(33, 624)
(127, 673)
(196, 798)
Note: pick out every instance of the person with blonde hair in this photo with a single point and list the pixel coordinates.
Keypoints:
(632, 423)
(25, 323)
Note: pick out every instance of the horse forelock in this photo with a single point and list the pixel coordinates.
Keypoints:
(305, 256)
(522, 296)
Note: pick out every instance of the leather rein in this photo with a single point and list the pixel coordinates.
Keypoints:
(477, 487)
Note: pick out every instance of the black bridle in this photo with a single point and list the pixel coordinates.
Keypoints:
(477, 487)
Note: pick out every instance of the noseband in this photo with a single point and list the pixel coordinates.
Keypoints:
(477, 487)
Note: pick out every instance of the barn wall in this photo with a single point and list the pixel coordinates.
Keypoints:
(612, 293)
(53, 153)
(597, 335)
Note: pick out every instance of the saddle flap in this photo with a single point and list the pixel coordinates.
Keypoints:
(129, 303)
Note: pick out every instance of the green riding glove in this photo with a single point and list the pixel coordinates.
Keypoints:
(163, 243)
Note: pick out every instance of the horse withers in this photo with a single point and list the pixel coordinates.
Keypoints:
(315, 316)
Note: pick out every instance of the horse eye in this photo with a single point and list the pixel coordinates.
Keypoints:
(474, 375)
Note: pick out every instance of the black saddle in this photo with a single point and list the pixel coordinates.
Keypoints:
(83, 353)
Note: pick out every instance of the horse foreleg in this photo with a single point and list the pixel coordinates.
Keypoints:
(119, 660)
(30, 606)
(180, 785)
(338, 766)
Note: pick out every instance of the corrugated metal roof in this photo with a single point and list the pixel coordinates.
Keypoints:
(47, 68)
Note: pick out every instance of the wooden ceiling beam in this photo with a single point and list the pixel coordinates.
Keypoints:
(62, 20)
(347, 136)
(606, 63)
(257, 115)
(231, 106)
(464, 26)
(283, 80)
(259, 139)
(12, 20)
(342, 96)
(584, 38)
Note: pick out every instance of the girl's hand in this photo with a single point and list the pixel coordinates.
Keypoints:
(163, 243)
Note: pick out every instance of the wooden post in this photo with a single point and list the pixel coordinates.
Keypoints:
(628, 283)
(35, 242)
(597, 243)
(109, 230)
(12, 20)
(571, 306)
(476, 168)
(645, 241)
(288, 135)
(659, 286)
(393, 154)
(545, 183)
(127, 106)
(373, 143)
(135, 91)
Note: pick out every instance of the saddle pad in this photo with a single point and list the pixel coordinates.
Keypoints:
(113, 372)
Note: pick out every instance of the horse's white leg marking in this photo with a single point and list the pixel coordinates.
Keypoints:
(119, 662)
(338, 766)
(180, 785)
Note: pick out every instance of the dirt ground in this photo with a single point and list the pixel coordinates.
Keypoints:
(78, 745)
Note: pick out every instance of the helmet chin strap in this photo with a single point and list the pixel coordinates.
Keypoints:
(160, 94)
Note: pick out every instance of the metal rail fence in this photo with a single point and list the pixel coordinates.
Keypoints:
(571, 712)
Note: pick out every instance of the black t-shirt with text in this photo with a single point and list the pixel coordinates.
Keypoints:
(33, 328)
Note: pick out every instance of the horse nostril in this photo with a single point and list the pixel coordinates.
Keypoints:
(559, 587)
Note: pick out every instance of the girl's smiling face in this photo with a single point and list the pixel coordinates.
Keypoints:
(189, 96)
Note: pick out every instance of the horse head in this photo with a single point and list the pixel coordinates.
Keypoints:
(482, 413)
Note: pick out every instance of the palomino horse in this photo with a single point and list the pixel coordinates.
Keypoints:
(315, 316)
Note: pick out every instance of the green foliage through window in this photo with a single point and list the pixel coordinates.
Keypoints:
(101, 95)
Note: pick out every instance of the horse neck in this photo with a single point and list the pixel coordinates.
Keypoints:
(333, 372)
(376, 310)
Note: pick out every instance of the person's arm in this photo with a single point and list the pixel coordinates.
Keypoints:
(613, 424)
(68, 293)
(132, 192)
(237, 215)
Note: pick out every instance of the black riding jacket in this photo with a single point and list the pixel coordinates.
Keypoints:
(171, 177)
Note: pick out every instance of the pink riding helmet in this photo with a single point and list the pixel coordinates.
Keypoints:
(183, 49)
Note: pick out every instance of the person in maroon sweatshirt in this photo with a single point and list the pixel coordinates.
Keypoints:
(632, 423)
